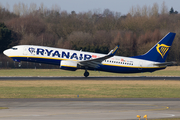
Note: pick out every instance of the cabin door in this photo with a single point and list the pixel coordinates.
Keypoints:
(25, 51)
(140, 65)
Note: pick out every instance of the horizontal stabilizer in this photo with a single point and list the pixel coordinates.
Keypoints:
(166, 64)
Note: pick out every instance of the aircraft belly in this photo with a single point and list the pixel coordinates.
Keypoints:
(119, 69)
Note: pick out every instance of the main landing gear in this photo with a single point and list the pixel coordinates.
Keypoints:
(86, 73)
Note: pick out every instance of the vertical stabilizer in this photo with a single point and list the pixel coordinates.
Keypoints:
(159, 52)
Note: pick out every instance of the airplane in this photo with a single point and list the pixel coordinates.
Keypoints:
(72, 60)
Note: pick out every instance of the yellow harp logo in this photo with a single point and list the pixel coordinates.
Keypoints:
(162, 49)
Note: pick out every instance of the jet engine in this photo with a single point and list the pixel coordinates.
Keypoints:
(69, 65)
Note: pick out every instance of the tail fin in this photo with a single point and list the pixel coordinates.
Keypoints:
(160, 51)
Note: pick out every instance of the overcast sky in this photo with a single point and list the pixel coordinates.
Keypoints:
(122, 6)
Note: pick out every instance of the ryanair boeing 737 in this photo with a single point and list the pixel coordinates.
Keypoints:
(151, 61)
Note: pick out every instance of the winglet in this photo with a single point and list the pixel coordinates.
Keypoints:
(113, 52)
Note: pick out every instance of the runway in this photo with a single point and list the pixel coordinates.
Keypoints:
(89, 108)
(92, 78)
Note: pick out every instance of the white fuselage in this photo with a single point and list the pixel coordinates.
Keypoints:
(54, 56)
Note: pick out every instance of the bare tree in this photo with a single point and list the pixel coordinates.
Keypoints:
(155, 9)
(24, 9)
(164, 8)
(1, 6)
(138, 11)
(7, 7)
(144, 11)
(56, 8)
(132, 11)
(16, 9)
(41, 8)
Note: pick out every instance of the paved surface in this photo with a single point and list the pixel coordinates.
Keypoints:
(88, 109)
(91, 78)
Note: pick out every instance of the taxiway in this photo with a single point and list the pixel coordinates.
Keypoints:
(88, 109)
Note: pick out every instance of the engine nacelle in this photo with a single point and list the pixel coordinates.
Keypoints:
(68, 65)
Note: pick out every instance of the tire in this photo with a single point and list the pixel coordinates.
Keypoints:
(86, 74)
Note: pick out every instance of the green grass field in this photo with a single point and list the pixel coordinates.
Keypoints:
(89, 89)
(169, 71)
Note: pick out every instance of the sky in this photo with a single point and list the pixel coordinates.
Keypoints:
(122, 6)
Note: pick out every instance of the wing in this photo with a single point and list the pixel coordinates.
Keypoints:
(94, 63)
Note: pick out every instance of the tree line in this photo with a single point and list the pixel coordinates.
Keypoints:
(94, 31)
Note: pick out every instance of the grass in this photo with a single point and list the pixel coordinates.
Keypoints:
(3, 108)
(89, 89)
(169, 71)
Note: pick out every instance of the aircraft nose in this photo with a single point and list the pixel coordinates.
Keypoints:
(6, 52)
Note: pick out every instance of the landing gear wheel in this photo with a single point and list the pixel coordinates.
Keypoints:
(86, 74)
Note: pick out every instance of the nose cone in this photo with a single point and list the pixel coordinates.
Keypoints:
(6, 52)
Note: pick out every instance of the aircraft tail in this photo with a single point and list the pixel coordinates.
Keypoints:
(159, 52)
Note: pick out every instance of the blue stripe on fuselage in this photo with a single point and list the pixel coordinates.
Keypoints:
(105, 67)
(39, 60)
(123, 69)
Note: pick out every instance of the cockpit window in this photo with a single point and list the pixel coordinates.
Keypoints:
(14, 48)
